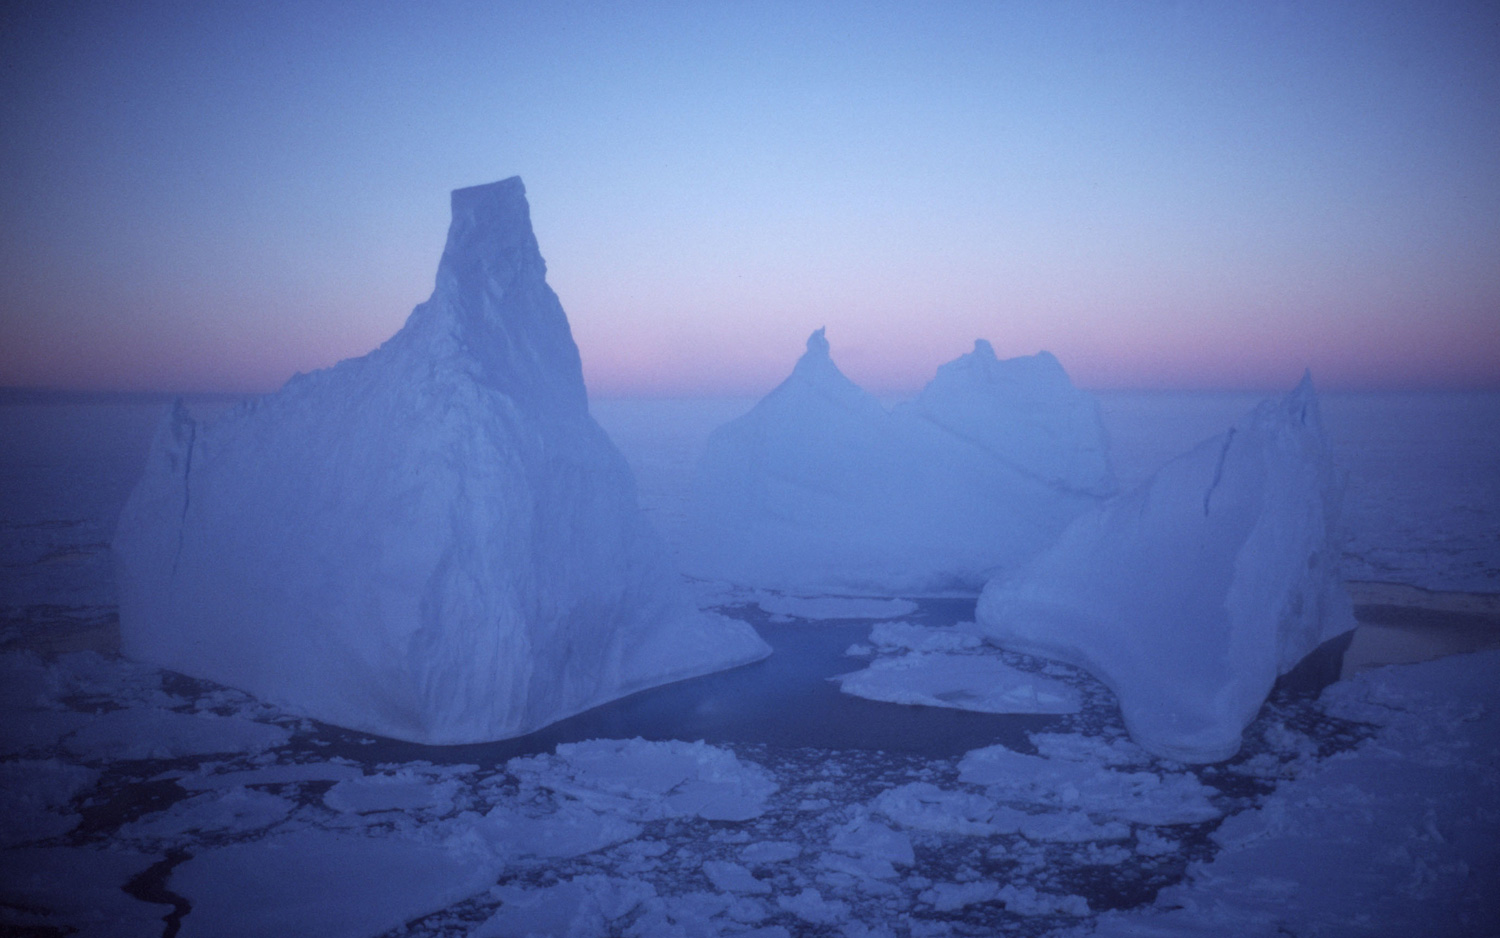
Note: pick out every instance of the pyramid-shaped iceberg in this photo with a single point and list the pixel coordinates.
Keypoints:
(434, 542)
(1189, 595)
(820, 488)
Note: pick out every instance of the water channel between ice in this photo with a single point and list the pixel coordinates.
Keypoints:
(785, 700)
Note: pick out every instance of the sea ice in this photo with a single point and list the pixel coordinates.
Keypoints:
(322, 883)
(1189, 595)
(1396, 837)
(924, 806)
(821, 488)
(34, 796)
(732, 877)
(572, 829)
(75, 891)
(650, 780)
(950, 897)
(580, 906)
(834, 607)
(236, 810)
(434, 542)
(865, 837)
(1026, 900)
(889, 636)
(1071, 827)
(149, 733)
(810, 906)
(768, 852)
(205, 779)
(404, 790)
(1140, 797)
(977, 682)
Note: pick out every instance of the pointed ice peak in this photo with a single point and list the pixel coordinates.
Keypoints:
(817, 343)
(817, 360)
(816, 376)
(1299, 406)
(490, 233)
(1304, 392)
(492, 309)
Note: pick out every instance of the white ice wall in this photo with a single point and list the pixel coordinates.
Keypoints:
(434, 542)
(1190, 594)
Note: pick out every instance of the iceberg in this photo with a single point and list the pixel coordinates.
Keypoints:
(434, 542)
(1189, 595)
(821, 488)
(1025, 413)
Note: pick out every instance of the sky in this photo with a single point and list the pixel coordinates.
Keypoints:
(213, 196)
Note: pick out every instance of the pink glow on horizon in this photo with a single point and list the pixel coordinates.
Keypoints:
(1168, 195)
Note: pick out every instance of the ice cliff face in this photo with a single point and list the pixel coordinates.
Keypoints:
(434, 542)
(821, 488)
(1191, 594)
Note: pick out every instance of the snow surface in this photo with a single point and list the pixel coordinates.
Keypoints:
(1395, 838)
(434, 542)
(1190, 594)
(820, 488)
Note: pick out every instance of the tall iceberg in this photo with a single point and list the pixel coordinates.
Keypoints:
(434, 542)
(1189, 595)
(821, 488)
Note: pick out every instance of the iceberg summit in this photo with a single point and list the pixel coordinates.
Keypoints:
(434, 542)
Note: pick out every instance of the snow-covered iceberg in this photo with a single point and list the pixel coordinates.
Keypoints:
(820, 488)
(1189, 595)
(434, 542)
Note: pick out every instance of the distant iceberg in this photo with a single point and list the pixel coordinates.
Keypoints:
(1189, 595)
(434, 542)
(821, 488)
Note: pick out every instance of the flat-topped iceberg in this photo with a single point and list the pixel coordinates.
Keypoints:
(821, 488)
(434, 542)
(1189, 595)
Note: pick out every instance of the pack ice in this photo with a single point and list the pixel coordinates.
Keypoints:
(433, 542)
(821, 488)
(1189, 595)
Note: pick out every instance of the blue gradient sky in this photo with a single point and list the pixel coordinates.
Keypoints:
(201, 195)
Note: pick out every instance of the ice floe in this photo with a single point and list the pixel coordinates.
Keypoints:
(964, 682)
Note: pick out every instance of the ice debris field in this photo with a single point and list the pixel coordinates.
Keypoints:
(406, 651)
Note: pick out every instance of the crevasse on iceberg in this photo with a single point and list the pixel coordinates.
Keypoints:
(821, 488)
(1189, 595)
(434, 542)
